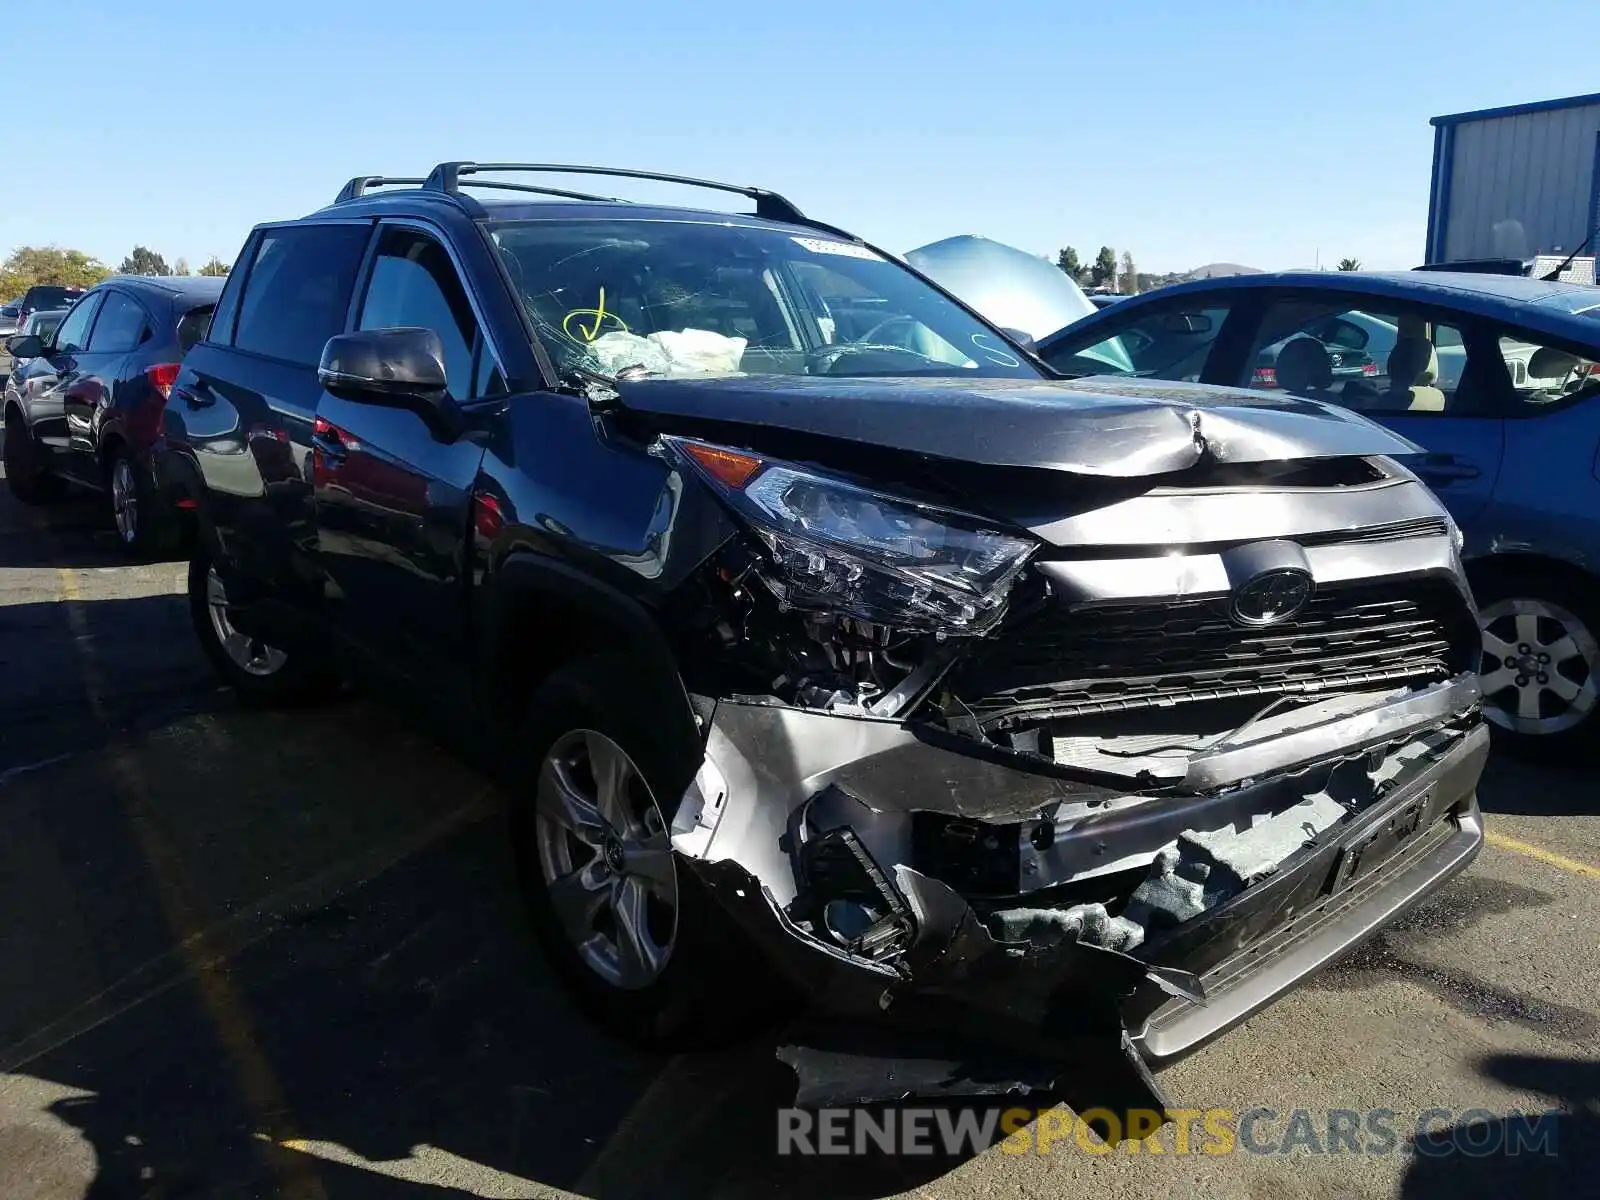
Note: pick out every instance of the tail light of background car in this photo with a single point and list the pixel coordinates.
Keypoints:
(1265, 377)
(1369, 368)
(162, 377)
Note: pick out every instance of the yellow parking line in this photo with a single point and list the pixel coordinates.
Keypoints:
(1549, 857)
(297, 1177)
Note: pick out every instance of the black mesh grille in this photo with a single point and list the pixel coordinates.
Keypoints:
(1065, 662)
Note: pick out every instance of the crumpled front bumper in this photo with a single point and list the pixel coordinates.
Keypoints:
(792, 803)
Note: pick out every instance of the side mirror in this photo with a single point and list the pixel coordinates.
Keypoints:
(399, 368)
(25, 345)
(1182, 322)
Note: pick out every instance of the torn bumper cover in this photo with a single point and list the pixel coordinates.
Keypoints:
(974, 920)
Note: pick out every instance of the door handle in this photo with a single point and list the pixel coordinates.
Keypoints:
(328, 441)
(1447, 470)
(194, 398)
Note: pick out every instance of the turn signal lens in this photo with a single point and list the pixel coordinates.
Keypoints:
(725, 466)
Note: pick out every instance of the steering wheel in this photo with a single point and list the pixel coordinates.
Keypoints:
(870, 337)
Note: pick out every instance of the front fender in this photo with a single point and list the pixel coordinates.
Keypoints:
(528, 585)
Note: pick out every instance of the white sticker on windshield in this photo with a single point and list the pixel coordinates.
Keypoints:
(842, 249)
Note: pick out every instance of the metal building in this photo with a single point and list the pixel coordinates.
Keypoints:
(1516, 182)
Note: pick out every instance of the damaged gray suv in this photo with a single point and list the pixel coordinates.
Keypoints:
(1034, 731)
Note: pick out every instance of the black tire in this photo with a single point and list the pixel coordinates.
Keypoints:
(1531, 614)
(26, 478)
(299, 678)
(144, 529)
(686, 1005)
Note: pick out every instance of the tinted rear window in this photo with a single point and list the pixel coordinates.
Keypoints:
(298, 290)
(192, 326)
(46, 296)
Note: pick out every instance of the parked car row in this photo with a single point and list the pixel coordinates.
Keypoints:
(821, 633)
(87, 394)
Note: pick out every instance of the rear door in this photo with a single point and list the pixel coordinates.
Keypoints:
(247, 395)
(393, 498)
(43, 384)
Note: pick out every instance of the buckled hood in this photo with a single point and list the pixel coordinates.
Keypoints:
(1096, 426)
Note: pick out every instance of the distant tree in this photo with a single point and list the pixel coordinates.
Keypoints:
(1349, 264)
(1104, 271)
(144, 261)
(1067, 260)
(215, 267)
(181, 266)
(1129, 284)
(32, 265)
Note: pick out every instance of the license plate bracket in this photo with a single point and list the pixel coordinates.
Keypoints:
(1376, 846)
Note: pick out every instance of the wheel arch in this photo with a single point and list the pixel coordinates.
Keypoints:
(537, 613)
(111, 440)
(1495, 567)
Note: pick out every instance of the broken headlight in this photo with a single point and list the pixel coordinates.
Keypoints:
(836, 547)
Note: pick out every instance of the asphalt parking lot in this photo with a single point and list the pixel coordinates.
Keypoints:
(280, 954)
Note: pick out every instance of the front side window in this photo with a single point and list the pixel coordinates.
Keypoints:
(1167, 343)
(414, 283)
(298, 290)
(1375, 359)
(74, 332)
(120, 326)
(691, 297)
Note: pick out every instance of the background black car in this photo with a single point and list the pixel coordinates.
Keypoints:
(43, 296)
(90, 405)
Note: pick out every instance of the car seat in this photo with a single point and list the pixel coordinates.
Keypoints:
(1304, 367)
(1413, 370)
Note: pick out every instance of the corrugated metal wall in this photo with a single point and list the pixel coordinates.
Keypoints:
(1520, 185)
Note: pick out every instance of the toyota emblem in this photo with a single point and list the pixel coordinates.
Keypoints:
(1271, 596)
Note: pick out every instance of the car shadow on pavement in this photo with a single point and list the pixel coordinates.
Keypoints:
(1533, 1154)
(237, 1010)
(73, 531)
(1514, 787)
(146, 667)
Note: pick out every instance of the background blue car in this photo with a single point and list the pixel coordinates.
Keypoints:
(1494, 376)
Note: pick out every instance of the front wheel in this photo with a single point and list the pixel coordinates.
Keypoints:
(258, 672)
(1541, 661)
(26, 477)
(637, 940)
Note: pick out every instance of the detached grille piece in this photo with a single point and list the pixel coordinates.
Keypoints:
(1061, 663)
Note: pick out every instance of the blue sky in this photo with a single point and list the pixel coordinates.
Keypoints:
(1256, 132)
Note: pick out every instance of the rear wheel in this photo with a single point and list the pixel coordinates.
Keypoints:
(260, 673)
(26, 477)
(143, 530)
(1541, 660)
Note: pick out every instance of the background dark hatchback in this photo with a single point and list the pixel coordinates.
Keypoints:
(89, 405)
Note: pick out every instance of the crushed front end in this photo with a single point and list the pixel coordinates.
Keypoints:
(1202, 736)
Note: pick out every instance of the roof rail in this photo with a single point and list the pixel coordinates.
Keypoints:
(358, 186)
(446, 177)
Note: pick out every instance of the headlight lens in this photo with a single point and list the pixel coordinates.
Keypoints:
(837, 547)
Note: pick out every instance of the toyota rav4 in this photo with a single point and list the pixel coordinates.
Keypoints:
(1035, 731)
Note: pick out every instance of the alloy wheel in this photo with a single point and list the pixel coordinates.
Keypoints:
(606, 859)
(125, 500)
(249, 654)
(1541, 667)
